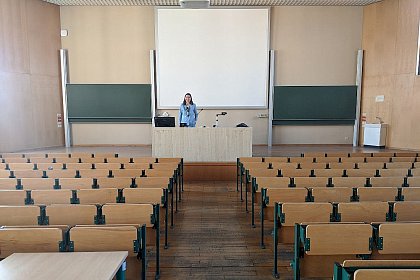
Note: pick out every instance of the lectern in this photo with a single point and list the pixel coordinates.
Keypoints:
(202, 144)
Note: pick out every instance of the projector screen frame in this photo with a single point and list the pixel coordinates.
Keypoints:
(267, 54)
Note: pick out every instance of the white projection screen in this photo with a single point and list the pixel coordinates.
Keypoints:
(220, 56)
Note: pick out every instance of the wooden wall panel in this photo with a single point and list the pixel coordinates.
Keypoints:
(379, 38)
(30, 95)
(386, 28)
(44, 37)
(406, 47)
(390, 34)
(368, 41)
(400, 120)
(413, 141)
(15, 112)
(209, 171)
(31, 120)
(14, 52)
(46, 94)
(372, 87)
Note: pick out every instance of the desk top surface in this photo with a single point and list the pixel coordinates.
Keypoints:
(63, 266)
(203, 128)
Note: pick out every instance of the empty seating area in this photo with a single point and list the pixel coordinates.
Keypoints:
(337, 222)
(335, 209)
(81, 202)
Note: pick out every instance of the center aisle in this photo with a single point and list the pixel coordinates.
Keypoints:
(213, 239)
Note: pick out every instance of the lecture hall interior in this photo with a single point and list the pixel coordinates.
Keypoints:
(300, 159)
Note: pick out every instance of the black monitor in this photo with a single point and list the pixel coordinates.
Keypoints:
(164, 121)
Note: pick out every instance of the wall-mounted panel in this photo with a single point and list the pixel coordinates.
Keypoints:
(314, 105)
(109, 103)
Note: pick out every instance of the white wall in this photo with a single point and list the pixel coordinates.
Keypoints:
(314, 46)
(111, 134)
(109, 45)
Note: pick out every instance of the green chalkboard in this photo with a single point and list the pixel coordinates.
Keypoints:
(323, 105)
(109, 103)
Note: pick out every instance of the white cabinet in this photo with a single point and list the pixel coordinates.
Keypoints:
(375, 134)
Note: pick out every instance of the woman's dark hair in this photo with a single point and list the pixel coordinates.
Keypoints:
(184, 103)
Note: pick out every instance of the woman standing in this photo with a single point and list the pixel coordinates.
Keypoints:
(188, 112)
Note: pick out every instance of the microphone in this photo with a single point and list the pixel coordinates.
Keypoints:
(222, 114)
(201, 110)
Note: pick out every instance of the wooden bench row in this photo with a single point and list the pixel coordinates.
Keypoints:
(361, 184)
(377, 270)
(343, 155)
(130, 238)
(92, 183)
(288, 214)
(90, 189)
(354, 197)
(59, 155)
(83, 196)
(404, 172)
(125, 160)
(88, 173)
(344, 182)
(79, 190)
(273, 160)
(85, 183)
(317, 165)
(269, 196)
(318, 246)
(71, 215)
(244, 172)
(87, 197)
(360, 154)
(356, 163)
(77, 166)
(307, 154)
(119, 178)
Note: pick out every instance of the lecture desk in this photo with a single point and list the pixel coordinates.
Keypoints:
(202, 144)
(64, 266)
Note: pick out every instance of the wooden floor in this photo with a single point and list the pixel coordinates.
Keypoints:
(213, 238)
